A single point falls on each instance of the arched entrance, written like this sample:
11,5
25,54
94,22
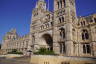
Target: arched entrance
48,40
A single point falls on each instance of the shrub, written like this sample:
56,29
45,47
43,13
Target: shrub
14,51
44,51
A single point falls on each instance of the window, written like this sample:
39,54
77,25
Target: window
86,48
64,3
61,3
62,47
51,23
65,63
91,20
95,20
42,27
33,39
47,25
81,23
62,33
73,32
48,16
71,2
36,13
60,19
58,4
84,23
85,35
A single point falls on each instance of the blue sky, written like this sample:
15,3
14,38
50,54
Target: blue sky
17,14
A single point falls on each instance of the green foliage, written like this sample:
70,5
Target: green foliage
44,51
14,51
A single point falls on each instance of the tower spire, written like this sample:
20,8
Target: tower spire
41,4
41,0
48,5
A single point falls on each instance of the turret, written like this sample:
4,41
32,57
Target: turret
11,35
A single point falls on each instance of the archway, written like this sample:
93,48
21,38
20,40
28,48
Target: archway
48,40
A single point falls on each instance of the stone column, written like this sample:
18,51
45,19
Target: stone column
55,41
69,41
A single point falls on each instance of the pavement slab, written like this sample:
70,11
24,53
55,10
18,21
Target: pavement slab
23,60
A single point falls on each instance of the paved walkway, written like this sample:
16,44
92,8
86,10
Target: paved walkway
23,60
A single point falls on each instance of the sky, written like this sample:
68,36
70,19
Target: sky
17,14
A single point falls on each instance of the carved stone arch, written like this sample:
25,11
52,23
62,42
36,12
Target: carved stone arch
47,41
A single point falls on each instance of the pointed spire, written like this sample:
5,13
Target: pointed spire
43,4
13,30
41,0
48,5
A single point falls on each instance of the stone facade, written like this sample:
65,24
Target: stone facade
62,31
13,41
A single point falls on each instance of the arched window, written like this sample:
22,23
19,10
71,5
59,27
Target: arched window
51,23
73,32
62,47
91,20
84,23
64,3
81,23
95,20
85,35
62,33
58,4
60,20
33,39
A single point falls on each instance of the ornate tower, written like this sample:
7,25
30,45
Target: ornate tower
39,10
11,35
64,25
38,14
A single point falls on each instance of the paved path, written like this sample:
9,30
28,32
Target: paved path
23,60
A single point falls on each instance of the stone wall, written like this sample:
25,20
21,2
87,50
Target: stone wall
1,52
48,59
